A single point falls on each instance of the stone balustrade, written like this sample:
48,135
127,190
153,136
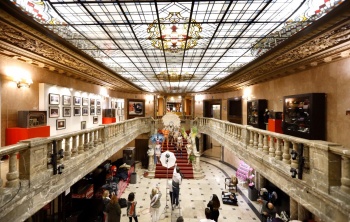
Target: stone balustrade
324,187
30,181
325,176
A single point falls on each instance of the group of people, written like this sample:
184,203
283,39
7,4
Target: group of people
112,208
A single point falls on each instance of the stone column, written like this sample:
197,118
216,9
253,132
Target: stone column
197,166
345,175
164,105
255,140
293,208
260,180
12,176
251,139
200,144
303,213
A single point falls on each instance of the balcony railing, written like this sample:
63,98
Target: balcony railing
323,167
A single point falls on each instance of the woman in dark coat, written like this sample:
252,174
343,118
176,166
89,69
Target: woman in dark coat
113,210
214,205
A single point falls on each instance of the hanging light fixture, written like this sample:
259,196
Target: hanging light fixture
170,34
173,76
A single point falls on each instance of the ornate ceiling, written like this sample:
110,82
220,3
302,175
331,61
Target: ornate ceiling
223,45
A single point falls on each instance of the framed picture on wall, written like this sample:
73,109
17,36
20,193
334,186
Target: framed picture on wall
66,111
85,111
66,100
77,101
54,111
83,125
98,102
92,110
95,120
92,102
60,124
98,111
77,111
85,101
54,99
135,108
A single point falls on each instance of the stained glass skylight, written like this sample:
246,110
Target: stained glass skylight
233,34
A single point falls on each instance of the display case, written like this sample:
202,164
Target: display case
255,113
108,113
304,116
31,118
129,155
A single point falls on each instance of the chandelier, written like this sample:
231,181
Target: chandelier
170,34
173,76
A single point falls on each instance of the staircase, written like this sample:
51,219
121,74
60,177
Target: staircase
185,168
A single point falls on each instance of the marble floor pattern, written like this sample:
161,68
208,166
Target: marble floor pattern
194,196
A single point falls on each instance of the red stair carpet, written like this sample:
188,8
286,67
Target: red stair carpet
185,168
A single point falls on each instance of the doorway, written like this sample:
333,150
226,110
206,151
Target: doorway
234,112
212,108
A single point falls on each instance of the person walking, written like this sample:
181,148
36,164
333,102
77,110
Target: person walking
155,204
131,207
113,210
214,205
176,182
170,187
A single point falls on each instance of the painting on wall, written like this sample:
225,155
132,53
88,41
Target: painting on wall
60,124
54,112
66,111
66,100
135,108
54,99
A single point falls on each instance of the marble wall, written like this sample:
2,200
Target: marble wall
332,78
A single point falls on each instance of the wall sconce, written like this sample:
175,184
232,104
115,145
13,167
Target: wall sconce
23,82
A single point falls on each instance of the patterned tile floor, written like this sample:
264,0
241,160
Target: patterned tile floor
194,196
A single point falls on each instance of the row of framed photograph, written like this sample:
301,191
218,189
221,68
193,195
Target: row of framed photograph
61,123
54,99
54,111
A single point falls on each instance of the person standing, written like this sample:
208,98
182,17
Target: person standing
155,204
170,187
207,216
113,210
106,200
214,205
131,207
176,182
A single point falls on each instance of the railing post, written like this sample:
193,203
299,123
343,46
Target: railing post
12,176
251,139
81,144
272,147
95,138
101,136
67,152
86,142
278,149
255,141
294,163
260,142
286,155
74,146
91,140
265,146
345,175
